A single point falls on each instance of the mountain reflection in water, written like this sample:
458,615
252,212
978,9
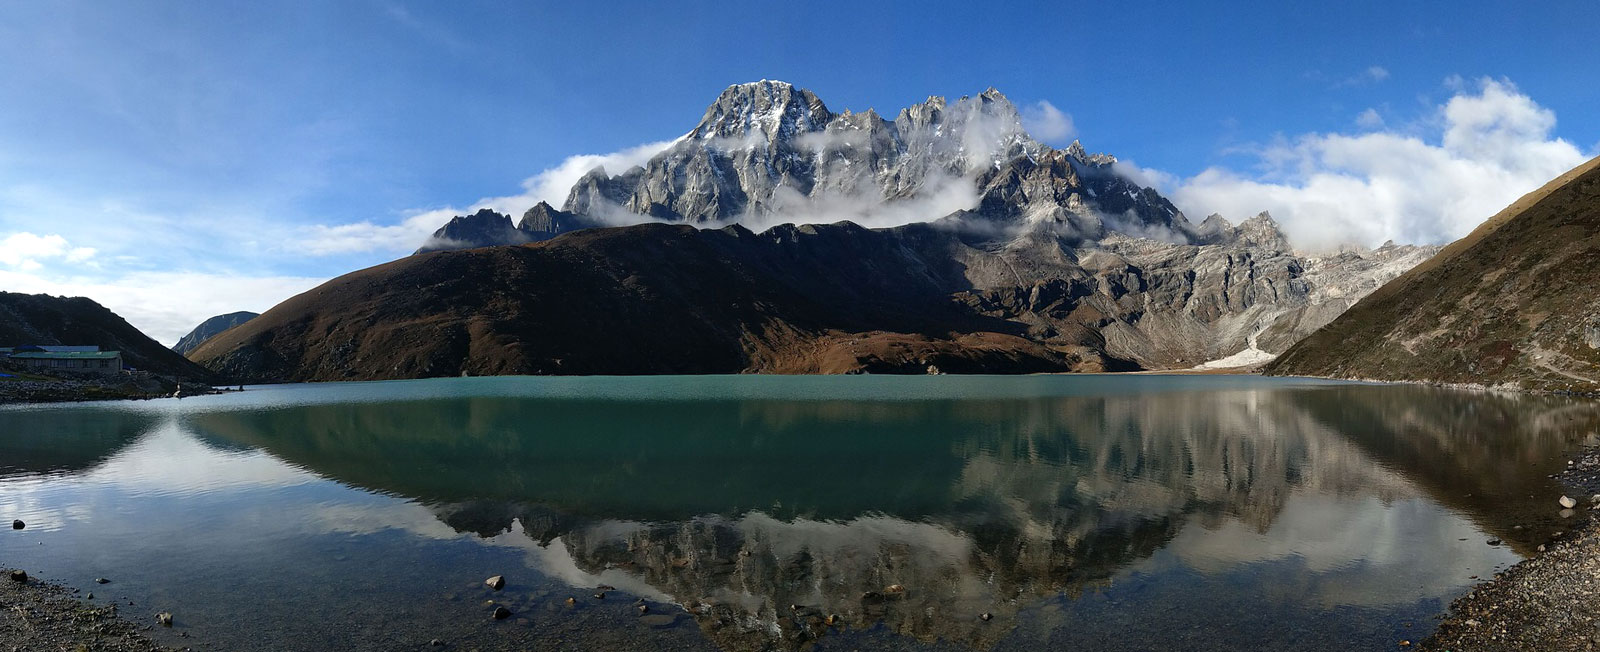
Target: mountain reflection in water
765,516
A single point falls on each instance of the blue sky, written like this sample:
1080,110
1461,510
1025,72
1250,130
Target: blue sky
231,154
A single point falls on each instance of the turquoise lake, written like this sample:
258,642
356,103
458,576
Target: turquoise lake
1107,512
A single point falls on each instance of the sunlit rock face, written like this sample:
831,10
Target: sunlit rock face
768,152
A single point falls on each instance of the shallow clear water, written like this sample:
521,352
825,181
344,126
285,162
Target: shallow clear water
1079,512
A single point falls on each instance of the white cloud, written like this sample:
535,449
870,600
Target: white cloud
1489,146
549,186
1369,119
1047,123
27,251
165,305
1146,177
1372,75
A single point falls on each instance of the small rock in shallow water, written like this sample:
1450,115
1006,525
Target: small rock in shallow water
572,601
101,580
644,608
164,619
436,643
985,616
1568,502
17,525
19,576
501,613
1493,542
497,582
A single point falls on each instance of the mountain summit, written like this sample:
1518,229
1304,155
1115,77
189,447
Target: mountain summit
769,152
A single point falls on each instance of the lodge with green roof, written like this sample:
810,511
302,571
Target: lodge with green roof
80,359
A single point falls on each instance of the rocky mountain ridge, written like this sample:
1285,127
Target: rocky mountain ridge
840,298
768,152
209,328
1014,256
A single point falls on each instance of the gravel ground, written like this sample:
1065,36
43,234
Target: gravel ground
1550,603
109,389
35,615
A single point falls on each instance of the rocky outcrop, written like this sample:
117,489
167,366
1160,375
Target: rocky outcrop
484,228
209,328
1510,304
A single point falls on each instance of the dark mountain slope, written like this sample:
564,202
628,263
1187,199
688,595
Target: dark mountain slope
645,299
41,319
1513,303
209,329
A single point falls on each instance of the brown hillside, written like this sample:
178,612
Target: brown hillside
647,299
1514,303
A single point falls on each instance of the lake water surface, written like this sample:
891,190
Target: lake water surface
1076,512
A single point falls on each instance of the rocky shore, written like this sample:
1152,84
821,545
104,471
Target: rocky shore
58,390
36,615
1550,602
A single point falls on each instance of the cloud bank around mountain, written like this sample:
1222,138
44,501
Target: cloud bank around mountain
1428,179
550,185
1431,181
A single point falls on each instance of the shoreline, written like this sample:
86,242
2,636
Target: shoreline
40,615
1545,602
70,390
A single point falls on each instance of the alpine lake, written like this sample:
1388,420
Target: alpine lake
1103,512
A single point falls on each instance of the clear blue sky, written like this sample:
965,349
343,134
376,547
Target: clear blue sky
235,123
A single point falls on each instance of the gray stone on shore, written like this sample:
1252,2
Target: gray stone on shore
19,576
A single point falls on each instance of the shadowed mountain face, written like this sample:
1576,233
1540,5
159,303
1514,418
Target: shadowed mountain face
738,509
41,319
210,328
1513,303
654,298
487,228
